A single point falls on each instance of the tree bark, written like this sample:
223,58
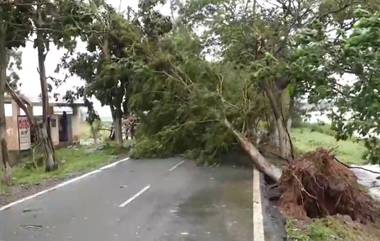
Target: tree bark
284,139
118,127
29,114
3,79
21,103
116,112
94,133
281,132
95,137
50,162
261,163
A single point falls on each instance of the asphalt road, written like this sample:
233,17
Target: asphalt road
147,200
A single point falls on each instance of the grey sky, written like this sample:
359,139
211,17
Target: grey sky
29,77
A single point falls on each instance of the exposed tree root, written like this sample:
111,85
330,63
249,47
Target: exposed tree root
316,186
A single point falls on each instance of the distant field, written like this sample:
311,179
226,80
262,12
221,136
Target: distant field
106,119
350,152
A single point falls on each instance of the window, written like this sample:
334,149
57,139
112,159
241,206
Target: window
8,110
37,110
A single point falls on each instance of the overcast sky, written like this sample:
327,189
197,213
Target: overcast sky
29,77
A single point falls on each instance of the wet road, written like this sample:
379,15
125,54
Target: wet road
148,200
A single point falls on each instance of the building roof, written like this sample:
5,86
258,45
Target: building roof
52,101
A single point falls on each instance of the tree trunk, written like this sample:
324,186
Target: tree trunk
279,103
94,134
274,134
50,163
261,163
284,139
31,119
3,79
118,128
21,104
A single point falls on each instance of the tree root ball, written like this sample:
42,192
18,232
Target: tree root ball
316,185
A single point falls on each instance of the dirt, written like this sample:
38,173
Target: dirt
316,186
18,192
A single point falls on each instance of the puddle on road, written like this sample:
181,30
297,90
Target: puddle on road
221,211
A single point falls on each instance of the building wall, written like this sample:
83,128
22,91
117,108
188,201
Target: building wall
77,125
54,129
12,134
12,129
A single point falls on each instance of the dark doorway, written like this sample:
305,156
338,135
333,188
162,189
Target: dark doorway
63,128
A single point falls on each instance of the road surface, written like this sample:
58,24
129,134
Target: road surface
147,200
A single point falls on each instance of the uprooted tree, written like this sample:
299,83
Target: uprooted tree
316,185
246,92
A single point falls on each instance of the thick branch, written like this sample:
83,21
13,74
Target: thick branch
20,103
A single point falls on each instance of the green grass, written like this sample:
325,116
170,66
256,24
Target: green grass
74,161
350,152
3,189
330,228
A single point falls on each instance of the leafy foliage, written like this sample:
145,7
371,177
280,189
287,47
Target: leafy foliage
341,71
170,100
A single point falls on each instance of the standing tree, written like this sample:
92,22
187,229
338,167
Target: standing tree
114,48
341,69
41,43
51,22
55,22
14,31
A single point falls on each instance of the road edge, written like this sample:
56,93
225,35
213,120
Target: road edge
62,184
258,222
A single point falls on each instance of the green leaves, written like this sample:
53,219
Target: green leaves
15,25
343,71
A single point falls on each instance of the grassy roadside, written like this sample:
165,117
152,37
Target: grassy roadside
73,161
307,139
337,228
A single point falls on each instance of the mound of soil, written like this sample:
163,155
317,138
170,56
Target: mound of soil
316,186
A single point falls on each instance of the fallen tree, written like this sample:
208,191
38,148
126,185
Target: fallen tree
260,162
186,104
315,185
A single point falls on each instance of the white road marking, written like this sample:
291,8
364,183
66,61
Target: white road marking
114,164
134,196
176,165
258,225
61,185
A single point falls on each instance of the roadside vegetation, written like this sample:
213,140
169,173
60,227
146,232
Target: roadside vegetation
310,137
73,161
336,228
